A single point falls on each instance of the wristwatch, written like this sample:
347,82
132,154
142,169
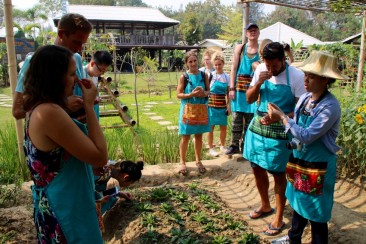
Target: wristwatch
232,89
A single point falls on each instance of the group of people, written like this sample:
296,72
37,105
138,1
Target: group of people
285,118
67,155
284,121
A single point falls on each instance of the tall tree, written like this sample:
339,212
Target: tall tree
31,19
231,31
52,7
191,28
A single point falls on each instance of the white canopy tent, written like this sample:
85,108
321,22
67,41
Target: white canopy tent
279,32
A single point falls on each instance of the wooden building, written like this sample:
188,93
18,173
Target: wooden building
143,27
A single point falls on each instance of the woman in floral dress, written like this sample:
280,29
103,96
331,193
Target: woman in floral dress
60,151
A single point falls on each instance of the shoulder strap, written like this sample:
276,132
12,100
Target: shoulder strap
240,56
203,74
186,79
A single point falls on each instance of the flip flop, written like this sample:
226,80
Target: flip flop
276,231
261,214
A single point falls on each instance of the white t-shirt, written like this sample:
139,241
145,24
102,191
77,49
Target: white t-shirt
296,79
224,78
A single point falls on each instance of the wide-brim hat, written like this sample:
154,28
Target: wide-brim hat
322,64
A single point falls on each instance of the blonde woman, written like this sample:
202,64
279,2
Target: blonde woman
218,104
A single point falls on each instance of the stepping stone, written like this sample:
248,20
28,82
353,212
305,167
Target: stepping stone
152,103
134,104
149,113
145,109
6,99
168,102
164,122
172,127
6,105
3,95
148,106
156,117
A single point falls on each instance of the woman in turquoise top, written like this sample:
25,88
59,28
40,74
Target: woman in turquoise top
57,149
311,170
193,114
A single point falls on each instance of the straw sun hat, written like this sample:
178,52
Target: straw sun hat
322,64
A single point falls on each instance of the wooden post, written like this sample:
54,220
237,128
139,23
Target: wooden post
12,67
362,54
246,8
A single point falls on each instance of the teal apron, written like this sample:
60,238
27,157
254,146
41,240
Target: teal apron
265,145
186,129
218,115
239,103
71,197
309,204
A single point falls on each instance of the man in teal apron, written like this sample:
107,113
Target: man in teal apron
72,32
265,143
240,78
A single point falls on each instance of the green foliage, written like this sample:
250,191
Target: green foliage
11,169
159,194
178,234
148,220
166,207
352,131
249,238
191,28
200,217
230,29
151,236
175,217
220,239
144,207
211,227
235,225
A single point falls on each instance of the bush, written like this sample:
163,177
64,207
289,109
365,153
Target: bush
352,132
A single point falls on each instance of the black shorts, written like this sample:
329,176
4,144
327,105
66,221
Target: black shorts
254,165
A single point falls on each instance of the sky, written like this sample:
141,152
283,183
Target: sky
174,4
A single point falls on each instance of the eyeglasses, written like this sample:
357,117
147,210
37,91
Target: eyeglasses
99,69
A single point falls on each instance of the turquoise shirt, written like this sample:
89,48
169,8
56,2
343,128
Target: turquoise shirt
239,103
21,76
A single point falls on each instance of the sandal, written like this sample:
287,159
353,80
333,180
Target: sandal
183,170
272,231
201,168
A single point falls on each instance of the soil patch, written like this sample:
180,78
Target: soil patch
229,183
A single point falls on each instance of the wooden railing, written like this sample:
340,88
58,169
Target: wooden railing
142,40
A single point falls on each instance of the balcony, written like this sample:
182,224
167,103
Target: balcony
140,40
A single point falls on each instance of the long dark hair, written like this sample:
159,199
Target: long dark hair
45,78
132,169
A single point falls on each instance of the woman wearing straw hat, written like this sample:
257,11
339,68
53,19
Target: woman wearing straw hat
311,170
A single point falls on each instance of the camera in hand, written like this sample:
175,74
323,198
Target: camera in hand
111,192
294,144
